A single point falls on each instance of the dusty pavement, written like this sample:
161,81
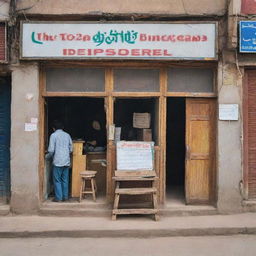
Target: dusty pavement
41,226
239,245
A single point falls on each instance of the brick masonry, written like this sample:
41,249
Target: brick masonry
2,43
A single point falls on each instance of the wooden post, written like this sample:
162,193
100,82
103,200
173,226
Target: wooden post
109,108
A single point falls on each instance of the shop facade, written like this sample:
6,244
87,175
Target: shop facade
181,88
116,92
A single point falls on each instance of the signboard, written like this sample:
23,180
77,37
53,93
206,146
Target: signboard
247,36
135,155
118,41
3,55
228,112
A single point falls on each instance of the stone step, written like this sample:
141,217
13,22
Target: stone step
4,209
189,210
77,212
127,226
100,209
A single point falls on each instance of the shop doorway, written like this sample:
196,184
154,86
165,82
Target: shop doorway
175,150
190,151
123,117
84,119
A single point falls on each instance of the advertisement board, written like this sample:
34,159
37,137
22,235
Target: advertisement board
118,41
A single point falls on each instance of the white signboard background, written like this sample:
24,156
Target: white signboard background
134,155
178,49
228,112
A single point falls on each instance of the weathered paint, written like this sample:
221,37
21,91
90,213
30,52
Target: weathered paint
4,10
174,7
229,147
24,145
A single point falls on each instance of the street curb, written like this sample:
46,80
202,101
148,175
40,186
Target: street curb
136,233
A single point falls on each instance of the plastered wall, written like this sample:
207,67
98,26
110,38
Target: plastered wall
24,144
229,146
4,10
170,7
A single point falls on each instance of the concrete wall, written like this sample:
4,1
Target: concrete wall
229,147
234,10
24,145
83,7
4,10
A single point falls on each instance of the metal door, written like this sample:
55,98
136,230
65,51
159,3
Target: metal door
5,99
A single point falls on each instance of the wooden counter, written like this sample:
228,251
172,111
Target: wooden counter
95,161
78,165
92,161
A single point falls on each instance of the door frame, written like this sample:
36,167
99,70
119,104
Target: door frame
213,175
109,94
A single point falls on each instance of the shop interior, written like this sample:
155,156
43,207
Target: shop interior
77,115
175,150
124,110
84,119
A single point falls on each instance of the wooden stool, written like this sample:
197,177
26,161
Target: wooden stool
88,176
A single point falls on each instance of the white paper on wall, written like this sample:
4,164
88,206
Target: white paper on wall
228,112
30,127
135,155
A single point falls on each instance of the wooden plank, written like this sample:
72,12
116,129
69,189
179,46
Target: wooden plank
42,148
74,94
135,178
78,165
136,94
109,108
135,191
132,63
93,189
155,206
78,147
135,211
162,153
192,94
142,173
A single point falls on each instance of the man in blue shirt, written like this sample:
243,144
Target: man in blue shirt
60,147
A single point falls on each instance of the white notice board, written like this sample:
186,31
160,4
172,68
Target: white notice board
135,155
228,112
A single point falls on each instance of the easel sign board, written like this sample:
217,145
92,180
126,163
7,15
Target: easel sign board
135,155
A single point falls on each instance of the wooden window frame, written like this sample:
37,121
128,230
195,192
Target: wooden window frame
109,67
109,95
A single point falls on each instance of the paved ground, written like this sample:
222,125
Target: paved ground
240,245
144,226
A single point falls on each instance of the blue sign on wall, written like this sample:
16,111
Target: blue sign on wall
247,36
